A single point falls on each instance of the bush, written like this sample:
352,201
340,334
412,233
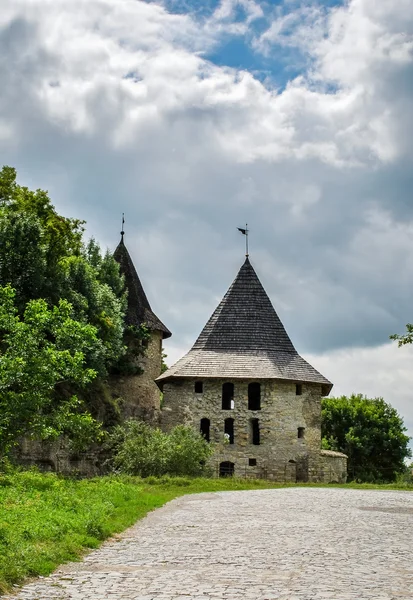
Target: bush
138,449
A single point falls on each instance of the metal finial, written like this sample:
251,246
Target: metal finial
245,232
123,222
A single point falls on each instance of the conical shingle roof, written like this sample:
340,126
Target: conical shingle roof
138,309
244,338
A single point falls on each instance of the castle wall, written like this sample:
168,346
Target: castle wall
281,454
140,396
57,456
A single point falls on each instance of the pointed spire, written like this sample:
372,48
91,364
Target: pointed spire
245,339
122,233
138,309
245,319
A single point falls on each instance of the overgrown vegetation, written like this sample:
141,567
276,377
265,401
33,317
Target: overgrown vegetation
370,432
138,449
62,305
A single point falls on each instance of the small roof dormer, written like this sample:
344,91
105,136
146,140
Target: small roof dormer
138,310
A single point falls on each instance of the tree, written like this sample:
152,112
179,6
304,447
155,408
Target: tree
370,432
39,351
42,256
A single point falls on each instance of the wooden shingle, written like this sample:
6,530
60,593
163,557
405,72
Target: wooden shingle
245,339
138,310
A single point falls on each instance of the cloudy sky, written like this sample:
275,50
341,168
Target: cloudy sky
197,116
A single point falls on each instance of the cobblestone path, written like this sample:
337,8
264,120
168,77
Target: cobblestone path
288,544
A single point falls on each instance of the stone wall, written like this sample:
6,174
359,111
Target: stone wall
329,467
140,396
57,457
281,454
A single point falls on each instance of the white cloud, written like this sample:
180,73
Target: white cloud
384,371
111,106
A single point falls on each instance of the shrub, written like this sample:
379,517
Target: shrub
138,449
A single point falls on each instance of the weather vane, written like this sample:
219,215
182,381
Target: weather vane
245,232
123,223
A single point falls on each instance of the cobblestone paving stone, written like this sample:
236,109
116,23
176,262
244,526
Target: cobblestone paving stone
287,544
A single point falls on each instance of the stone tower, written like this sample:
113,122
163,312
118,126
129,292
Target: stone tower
244,386
140,394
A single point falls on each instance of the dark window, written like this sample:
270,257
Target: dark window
229,429
204,428
252,462
199,387
227,396
226,469
298,389
255,432
254,396
300,432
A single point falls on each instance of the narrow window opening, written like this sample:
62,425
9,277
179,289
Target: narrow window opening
226,469
204,428
199,387
301,432
229,430
298,389
252,462
255,432
227,396
254,396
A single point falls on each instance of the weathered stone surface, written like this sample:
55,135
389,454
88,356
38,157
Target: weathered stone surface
281,454
288,544
140,396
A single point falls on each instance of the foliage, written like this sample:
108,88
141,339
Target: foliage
95,303
42,256
44,348
136,342
407,338
164,366
370,432
139,449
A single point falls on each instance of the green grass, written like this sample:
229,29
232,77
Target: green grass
46,520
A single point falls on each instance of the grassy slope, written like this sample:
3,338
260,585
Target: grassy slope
46,520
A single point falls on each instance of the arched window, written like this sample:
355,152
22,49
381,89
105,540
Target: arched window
229,429
254,396
255,432
204,428
227,396
226,469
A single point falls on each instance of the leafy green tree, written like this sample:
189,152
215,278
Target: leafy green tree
370,432
42,256
56,238
39,351
23,259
